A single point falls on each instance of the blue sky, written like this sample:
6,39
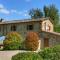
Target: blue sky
18,9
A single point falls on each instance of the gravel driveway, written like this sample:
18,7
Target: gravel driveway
6,55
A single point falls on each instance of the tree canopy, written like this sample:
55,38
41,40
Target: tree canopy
52,12
48,11
35,13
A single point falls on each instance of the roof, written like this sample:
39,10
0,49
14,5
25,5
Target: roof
53,33
22,21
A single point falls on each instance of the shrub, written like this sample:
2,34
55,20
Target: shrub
22,47
12,41
56,50
27,56
51,53
46,54
31,42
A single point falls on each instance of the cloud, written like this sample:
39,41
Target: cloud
3,9
13,11
21,13
1,6
24,13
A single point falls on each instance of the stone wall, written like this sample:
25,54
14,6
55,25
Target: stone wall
20,27
53,38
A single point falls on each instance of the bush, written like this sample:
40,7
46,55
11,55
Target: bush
46,54
51,53
56,50
22,47
27,56
31,42
12,41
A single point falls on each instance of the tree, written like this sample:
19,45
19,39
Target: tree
12,41
31,42
35,13
52,12
46,11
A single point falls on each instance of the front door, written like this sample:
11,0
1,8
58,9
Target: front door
46,42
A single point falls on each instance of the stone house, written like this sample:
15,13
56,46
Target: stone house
24,26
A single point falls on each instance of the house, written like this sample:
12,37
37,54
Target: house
43,26
24,26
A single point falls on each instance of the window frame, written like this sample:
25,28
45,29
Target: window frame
13,28
30,27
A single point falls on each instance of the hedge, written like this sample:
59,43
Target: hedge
27,56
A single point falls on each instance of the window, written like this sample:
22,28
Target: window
29,27
13,28
48,28
45,26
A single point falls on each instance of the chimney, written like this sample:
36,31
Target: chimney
1,20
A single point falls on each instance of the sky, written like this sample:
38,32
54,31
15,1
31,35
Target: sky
18,9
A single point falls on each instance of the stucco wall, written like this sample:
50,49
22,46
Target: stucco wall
46,25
